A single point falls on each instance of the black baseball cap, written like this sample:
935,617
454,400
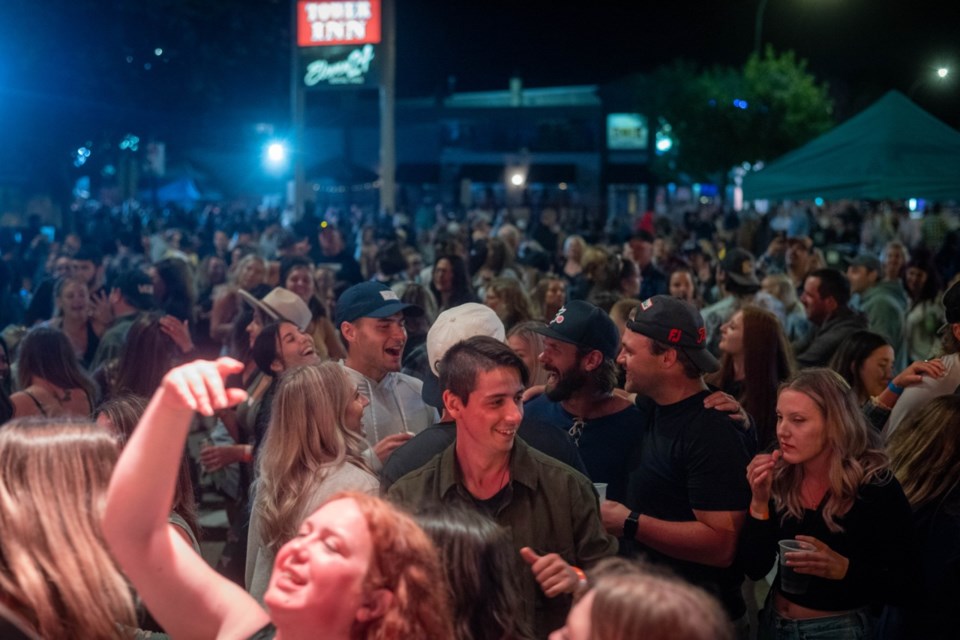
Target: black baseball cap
675,323
136,287
585,325
371,300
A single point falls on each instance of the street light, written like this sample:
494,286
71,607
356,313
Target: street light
941,77
276,156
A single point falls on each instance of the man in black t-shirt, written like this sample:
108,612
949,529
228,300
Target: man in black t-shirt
687,497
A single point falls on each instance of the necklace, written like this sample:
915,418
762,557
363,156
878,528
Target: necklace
576,430
503,476
52,390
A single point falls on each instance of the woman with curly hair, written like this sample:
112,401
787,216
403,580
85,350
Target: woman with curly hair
312,450
357,568
57,575
829,487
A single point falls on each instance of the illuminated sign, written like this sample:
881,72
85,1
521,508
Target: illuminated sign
322,24
342,67
626,131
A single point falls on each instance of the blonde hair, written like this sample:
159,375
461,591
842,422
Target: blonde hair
527,331
305,441
856,458
55,570
924,451
634,601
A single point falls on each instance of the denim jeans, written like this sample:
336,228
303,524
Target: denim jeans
857,625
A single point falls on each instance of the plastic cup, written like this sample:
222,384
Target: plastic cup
601,488
790,580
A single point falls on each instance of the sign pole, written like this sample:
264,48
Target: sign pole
388,151
297,105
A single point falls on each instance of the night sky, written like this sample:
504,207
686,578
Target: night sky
72,69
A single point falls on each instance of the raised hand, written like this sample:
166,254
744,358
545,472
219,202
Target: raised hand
198,386
760,477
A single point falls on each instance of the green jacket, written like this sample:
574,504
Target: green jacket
546,506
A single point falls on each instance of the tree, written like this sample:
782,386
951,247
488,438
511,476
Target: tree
722,117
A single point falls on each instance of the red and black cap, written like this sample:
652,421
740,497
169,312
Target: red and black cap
677,324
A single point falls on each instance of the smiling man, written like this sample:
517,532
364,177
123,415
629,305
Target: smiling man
549,509
371,320
579,352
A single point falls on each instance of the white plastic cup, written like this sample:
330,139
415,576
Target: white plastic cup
601,488
790,580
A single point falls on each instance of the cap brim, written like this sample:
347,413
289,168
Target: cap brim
547,331
744,281
431,393
704,360
247,297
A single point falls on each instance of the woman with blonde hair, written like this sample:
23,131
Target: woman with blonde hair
527,343
358,569
73,317
312,450
925,457
627,600
828,487
249,273
57,574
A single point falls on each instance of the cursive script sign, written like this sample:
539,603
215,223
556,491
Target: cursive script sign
351,70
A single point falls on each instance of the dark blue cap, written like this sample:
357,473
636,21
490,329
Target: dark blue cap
371,300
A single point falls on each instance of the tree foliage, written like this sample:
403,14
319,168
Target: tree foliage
722,116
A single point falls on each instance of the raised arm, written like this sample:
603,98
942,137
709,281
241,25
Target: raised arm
187,597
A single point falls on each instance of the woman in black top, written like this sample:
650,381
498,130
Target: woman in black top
828,485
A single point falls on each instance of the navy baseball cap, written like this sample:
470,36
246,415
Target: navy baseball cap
371,300
585,325
675,323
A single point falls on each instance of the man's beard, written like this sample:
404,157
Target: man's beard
567,384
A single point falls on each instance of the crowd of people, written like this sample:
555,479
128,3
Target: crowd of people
481,426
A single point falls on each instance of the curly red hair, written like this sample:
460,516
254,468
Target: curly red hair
405,563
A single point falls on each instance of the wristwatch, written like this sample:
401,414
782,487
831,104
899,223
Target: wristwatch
630,526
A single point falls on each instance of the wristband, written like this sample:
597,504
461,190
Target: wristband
896,390
581,576
247,455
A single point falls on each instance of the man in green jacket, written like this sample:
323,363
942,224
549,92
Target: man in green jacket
549,509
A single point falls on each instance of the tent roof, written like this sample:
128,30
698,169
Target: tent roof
891,150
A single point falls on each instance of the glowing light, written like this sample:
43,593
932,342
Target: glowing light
324,225
562,186
517,179
158,52
943,72
276,152
740,104
664,144
818,202
912,204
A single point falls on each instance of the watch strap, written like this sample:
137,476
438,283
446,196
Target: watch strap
630,525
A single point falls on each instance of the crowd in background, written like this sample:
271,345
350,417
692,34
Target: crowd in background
347,334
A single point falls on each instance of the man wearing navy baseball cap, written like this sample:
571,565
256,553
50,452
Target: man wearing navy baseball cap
688,494
580,348
370,318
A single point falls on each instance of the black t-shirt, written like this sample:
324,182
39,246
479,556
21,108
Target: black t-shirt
692,458
608,445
